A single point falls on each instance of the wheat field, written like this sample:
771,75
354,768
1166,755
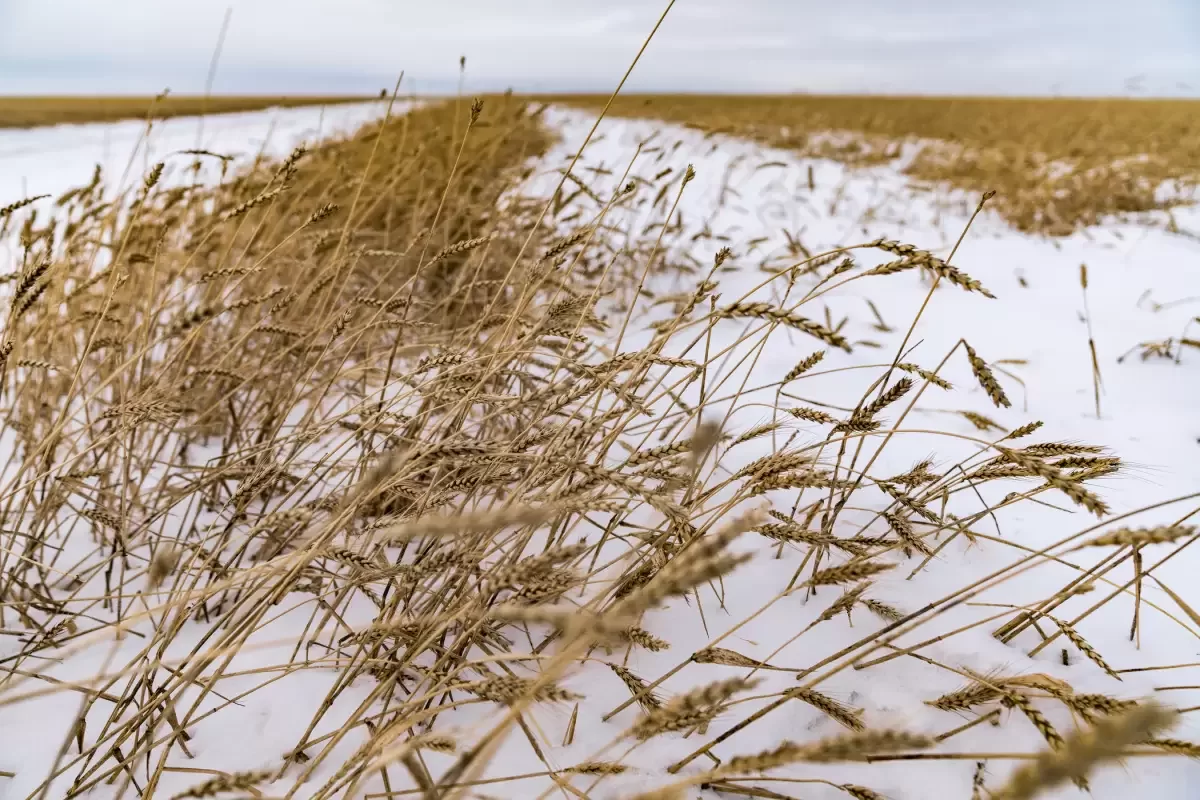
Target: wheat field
1056,163
718,448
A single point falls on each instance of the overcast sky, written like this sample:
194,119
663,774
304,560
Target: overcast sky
884,46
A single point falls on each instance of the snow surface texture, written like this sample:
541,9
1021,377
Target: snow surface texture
752,195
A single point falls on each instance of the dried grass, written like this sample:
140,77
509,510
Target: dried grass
368,381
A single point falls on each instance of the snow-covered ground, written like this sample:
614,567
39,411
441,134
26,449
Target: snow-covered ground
752,199
50,160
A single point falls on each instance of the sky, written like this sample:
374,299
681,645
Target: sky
1038,47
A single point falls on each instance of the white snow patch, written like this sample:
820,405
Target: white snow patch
51,159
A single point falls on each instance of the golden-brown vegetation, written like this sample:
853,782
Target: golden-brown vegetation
27,112
1056,164
371,383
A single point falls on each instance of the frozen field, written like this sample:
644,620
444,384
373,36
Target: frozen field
777,214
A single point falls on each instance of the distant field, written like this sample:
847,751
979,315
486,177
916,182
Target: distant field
27,112
1055,163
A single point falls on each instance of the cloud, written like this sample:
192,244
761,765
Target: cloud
939,46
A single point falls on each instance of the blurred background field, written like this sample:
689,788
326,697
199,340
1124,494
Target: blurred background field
27,112
1055,163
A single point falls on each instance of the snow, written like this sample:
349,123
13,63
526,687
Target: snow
1148,418
50,160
